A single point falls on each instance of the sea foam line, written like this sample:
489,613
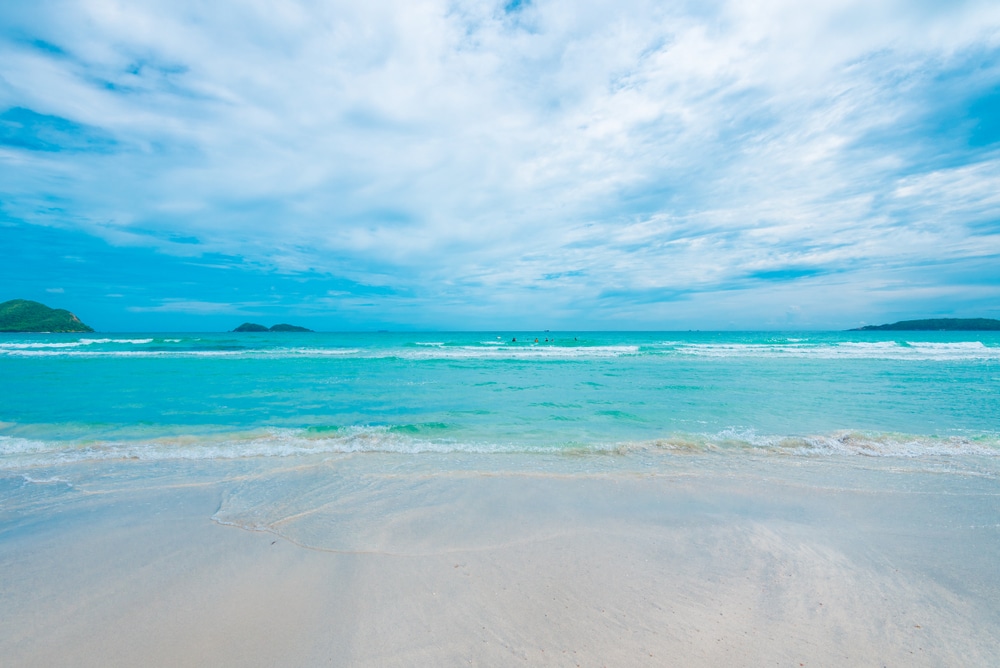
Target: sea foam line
70,344
426,353
921,351
491,350
19,453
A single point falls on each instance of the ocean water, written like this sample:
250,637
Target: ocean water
326,439
932,398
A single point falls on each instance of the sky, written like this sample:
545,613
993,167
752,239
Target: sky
547,164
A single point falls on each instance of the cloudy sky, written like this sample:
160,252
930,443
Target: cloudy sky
481,164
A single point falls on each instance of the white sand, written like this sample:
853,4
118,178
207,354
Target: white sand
475,569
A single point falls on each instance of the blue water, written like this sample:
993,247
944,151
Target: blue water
125,397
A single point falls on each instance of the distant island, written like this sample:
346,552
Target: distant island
288,328
936,325
22,315
254,327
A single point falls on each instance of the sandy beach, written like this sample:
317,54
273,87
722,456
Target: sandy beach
611,567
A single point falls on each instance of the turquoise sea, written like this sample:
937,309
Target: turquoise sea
289,426
929,397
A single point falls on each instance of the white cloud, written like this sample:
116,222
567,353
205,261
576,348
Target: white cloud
195,307
464,154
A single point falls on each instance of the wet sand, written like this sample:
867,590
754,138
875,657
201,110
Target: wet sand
368,566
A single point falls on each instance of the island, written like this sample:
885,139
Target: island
254,327
936,325
23,315
288,328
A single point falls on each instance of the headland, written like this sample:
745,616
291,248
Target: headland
23,315
936,325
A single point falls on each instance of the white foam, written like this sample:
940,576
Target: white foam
13,445
41,345
966,350
499,349
864,443
957,345
533,351
23,346
19,453
133,353
16,453
303,352
51,480
529,351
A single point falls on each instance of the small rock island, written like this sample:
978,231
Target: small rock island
23,315
254,327
288,328
250,327
936,325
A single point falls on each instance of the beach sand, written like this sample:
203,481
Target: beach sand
355,563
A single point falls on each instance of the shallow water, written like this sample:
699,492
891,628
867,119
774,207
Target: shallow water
337,433
172,396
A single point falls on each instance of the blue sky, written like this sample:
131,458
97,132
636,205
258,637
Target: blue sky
179,165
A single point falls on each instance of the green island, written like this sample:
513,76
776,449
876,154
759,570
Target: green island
23,315
936,325
254,327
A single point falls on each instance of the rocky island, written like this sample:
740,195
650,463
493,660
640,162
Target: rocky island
23,315
936,325
254,327
288,328
250,327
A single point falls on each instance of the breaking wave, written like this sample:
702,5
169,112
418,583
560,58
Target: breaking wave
475,348
19,453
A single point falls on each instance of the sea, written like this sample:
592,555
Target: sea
81,413
922,396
